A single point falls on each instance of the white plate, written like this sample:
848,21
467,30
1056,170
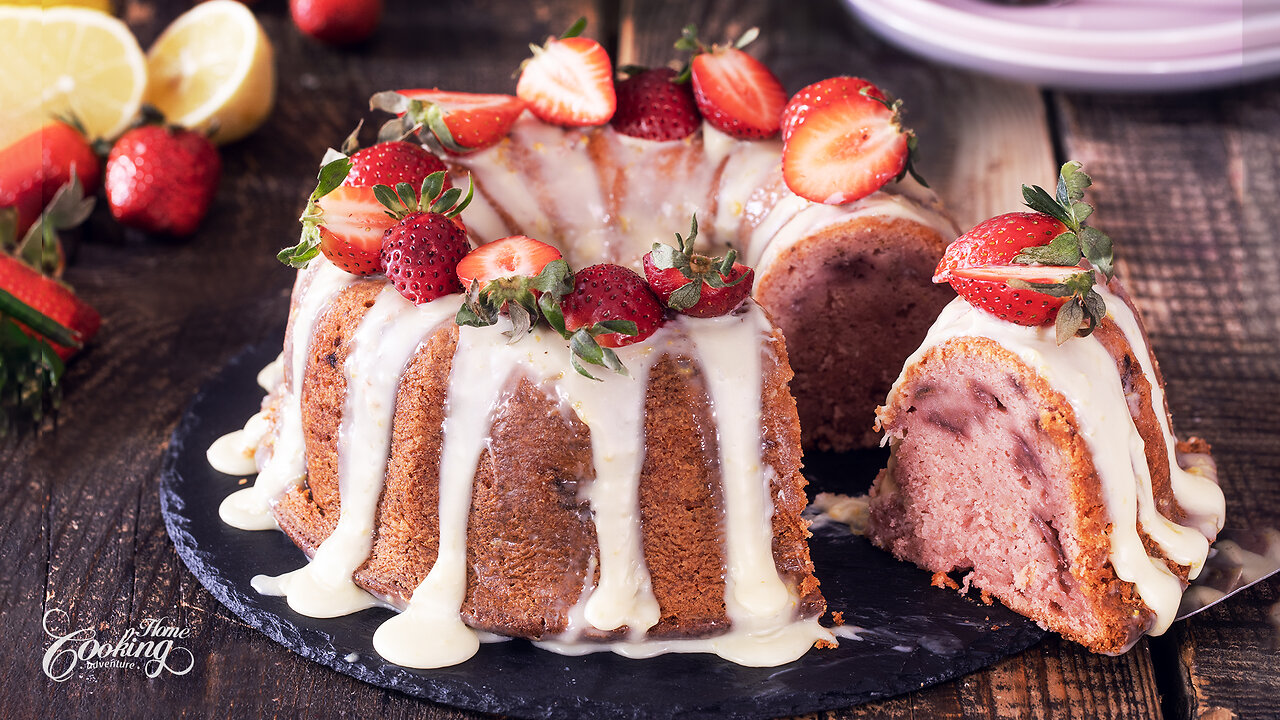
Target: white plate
943,37
1128,29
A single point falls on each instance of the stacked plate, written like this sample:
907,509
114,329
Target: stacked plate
1145,45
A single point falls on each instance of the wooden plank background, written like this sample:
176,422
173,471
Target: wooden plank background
1186,184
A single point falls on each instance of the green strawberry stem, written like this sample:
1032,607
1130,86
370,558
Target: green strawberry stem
698,268
38,322
30,370
1081,241
308,247
1085,310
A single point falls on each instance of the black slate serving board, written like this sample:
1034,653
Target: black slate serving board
916,635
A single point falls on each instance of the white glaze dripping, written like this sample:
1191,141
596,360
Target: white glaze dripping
430,632
250,508
1085,374
380,349
1196,492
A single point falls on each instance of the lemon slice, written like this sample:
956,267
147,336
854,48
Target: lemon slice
67,61
213,68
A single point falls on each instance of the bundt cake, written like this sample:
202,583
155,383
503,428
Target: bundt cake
660,510
432,437
1042,465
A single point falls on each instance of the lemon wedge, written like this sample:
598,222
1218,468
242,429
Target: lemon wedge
100,5
67,61
213,68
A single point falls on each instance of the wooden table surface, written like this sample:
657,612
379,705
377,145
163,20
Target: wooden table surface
1188,185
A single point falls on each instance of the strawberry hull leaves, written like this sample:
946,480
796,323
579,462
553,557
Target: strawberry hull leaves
527,300
695,284
1068,206
583,346
330,177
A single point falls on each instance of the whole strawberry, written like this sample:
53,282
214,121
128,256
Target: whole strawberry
605,292
337,22
1029,268
388,163
421,252
694,284
652,106
37,165
162,179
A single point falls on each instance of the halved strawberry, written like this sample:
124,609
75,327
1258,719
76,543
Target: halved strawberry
465,122
569,81
515,256
991,267
823,92
735,92
351,229
653,106
846,149
388,163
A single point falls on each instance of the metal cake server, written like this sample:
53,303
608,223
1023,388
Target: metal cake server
1237,560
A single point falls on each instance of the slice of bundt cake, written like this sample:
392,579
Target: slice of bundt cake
1041,464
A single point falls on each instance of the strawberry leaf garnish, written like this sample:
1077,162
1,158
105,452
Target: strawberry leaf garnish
331,175
1068,206
527,300
583,346
402,200
698,268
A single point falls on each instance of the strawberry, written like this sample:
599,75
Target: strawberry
388,163
510,257
845,147
162,179
653,106
823,92
421,251
694,284
351,228
49,298
462,122
603,293
336,22
735,92
1029,268
33,168
569,81
516,276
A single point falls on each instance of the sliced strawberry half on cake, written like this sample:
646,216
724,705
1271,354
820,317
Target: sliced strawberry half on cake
842,144
569,81
735,92
463,122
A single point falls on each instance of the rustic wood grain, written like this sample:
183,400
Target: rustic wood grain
1187,185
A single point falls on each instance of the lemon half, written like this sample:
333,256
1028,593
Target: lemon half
213,68
67,61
